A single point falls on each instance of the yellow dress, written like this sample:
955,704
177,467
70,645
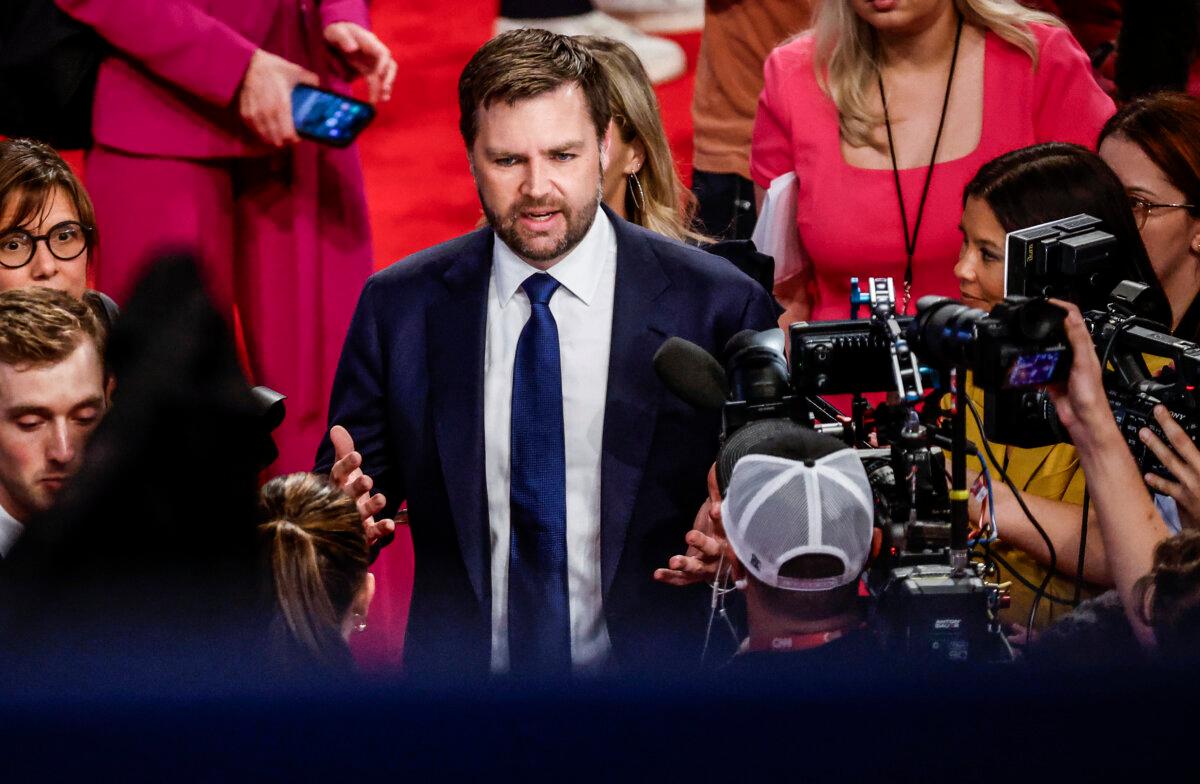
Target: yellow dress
1049,472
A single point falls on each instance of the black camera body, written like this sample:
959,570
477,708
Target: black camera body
1121,336
1072,259
929,613
838,357
1020,344
1135,410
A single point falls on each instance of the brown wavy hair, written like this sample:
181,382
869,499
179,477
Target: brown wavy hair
524,64
30,173
318,555
1168,598
40,326
1166,126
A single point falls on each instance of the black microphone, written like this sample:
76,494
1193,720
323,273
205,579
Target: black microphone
694,375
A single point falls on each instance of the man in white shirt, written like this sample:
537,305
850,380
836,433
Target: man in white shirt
502,385
52,395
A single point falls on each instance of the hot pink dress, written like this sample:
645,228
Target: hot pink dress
282,236
848,218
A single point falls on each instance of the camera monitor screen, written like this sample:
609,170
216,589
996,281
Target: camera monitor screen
1032,370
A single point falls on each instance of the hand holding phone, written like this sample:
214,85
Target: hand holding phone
328,117
265,96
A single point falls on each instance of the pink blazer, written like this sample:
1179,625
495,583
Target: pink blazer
168,89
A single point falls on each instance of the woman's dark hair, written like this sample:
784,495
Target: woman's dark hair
1168,598
1047,182
314,542
30,173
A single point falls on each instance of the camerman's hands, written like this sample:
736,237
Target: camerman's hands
1182,459
364,53
1080,402
265,97
347,473
705,543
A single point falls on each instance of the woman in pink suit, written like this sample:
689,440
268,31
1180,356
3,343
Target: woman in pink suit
195,147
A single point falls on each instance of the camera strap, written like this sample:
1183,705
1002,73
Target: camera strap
910,240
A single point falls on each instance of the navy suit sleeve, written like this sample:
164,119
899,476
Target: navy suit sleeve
759,312
358,401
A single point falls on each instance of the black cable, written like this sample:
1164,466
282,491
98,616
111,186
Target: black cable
1083,526
1041,590
1050,597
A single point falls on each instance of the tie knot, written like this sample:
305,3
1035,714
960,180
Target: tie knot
539,287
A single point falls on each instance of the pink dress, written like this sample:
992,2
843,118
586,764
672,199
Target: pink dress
848,218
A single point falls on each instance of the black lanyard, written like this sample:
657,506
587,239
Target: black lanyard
910,241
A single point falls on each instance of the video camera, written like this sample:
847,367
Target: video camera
1073,259
931,602
1123,340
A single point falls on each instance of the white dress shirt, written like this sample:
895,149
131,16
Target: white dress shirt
10,531
583,308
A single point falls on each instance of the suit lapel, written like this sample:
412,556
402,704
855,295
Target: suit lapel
639,327
456,334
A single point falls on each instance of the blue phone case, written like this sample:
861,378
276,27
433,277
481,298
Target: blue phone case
328,117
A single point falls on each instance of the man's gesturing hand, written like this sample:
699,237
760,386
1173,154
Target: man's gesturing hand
363,52
265,98
705,543
347,473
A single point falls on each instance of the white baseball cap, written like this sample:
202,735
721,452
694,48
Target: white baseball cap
794,492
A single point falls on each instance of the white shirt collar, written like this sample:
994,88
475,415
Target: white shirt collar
578,271
10,531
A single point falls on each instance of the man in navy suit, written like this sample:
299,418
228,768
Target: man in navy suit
502,384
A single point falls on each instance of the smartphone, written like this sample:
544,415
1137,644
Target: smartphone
329,118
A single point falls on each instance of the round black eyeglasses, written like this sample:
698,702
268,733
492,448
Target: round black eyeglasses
66,241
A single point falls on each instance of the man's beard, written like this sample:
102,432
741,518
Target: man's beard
577,226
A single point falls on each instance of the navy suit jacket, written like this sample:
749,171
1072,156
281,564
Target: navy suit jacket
409,388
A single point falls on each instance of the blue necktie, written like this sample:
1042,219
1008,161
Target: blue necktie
539,621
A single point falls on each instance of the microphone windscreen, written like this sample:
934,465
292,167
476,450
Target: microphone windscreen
773,339
738,342
690,372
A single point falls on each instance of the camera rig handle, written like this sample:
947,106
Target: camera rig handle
881,297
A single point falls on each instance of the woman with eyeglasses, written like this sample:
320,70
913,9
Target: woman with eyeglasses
47,224
1153,144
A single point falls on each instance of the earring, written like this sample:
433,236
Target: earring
360,623
636,193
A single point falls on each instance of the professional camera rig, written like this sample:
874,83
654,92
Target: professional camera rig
933,601
1129,324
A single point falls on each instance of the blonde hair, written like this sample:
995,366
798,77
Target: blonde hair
846,55
666,206
318,557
